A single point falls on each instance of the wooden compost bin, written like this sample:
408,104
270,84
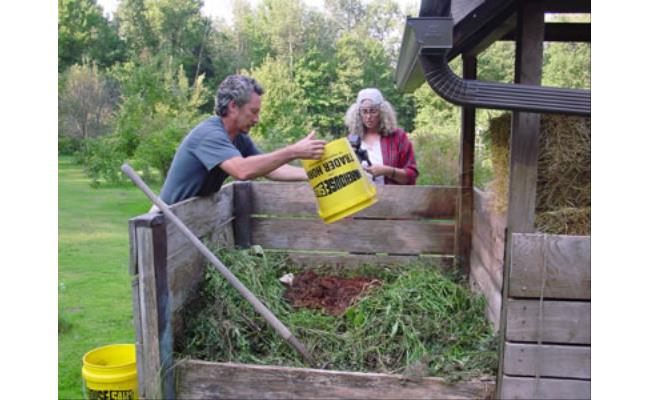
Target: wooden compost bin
545,351
408,222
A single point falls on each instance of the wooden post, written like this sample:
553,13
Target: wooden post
152,316
243,205
524,149
464,200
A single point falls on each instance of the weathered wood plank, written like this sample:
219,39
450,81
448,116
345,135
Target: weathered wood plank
355,260
491,257
465,199
243,202
165,338
562,321
524,149
394,201
481,280
460,8
149,316
568,266
545,389
184,277
201,215
366,236
133,248
552,361
199,379
137,326
488,236
490,218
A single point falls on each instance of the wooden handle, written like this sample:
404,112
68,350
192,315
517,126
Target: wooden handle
223,270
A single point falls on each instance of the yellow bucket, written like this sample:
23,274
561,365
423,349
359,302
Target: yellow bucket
341,186
109,372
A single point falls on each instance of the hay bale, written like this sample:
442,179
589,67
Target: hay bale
499,131
565,221
563,201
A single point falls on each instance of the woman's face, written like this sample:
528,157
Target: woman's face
369,115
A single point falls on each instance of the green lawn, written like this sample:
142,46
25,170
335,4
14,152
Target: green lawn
93,283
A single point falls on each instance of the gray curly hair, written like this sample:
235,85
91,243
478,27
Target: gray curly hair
238,88
387,122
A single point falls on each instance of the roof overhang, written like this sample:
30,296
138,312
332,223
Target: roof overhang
483,23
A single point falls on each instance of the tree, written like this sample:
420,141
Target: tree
85,103
345,14
135,27
283,118
85,34
158,107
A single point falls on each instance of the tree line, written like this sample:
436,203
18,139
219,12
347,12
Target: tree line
132,86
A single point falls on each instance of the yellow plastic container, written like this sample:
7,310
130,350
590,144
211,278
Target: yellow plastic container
341,186
110,372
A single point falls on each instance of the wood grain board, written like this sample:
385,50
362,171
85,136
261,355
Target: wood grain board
200,379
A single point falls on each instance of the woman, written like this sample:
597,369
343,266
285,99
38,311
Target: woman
389,149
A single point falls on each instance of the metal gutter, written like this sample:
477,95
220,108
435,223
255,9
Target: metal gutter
425,45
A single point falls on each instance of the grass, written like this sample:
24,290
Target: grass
419,322
93,282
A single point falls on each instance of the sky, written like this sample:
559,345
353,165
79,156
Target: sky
223,8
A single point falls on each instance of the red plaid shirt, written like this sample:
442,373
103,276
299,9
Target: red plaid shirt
397,151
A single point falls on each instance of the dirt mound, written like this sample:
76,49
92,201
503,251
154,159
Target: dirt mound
330,293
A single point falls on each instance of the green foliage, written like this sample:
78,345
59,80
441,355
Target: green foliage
313,74
157,110
567,65
85,102
418,316
84,33
311,61
68,146
283,117
102,158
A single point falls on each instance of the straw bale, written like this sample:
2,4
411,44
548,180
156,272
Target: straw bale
565,221
564,172
499,130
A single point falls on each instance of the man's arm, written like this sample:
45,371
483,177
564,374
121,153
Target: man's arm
264,164
287,173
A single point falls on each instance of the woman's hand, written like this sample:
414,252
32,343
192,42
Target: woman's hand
379,170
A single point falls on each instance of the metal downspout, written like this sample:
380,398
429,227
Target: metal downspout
493,95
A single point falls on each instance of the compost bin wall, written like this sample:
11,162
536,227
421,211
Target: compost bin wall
547,348
486,257
408,222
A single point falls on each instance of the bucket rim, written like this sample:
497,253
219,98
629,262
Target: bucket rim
107,367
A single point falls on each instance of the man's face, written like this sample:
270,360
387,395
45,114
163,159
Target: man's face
247,115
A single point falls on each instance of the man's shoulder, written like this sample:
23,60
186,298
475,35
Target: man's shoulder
210,129
210,124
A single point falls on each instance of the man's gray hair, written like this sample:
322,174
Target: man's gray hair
237,88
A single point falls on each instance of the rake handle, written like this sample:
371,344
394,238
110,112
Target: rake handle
261,309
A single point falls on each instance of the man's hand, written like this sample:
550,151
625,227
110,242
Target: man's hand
309,148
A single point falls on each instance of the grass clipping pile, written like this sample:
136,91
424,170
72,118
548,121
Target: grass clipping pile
564,172
408,320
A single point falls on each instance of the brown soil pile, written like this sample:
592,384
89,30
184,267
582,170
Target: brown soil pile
330,293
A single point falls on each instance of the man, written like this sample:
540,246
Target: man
220,146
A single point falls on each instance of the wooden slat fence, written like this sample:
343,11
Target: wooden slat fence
547,352
410,222
487,254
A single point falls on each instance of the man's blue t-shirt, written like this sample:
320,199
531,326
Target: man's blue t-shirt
195,169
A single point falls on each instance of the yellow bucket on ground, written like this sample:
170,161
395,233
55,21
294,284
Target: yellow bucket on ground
341,186
109,372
